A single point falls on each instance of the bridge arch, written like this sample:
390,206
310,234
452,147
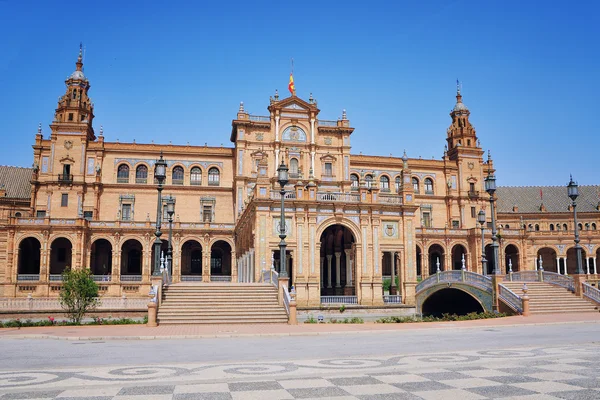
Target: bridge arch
451,300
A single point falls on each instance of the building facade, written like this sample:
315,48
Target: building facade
351,221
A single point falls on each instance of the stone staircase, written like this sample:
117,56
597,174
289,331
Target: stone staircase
546,298
221,303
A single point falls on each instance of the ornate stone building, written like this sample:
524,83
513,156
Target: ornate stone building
351,220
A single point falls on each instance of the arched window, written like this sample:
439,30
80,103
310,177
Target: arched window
551,227
537,227
196,176
354,181
384,183
580,226
506,226
593,226
369,180
141,174
177,175
214,176
123,173
587,226
428,186
565,227
557,227
18,214
415,183
293,168
398,182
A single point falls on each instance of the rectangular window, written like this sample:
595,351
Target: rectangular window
90,166
427,220
44,164
126,212
473,213
207,213
89,215
70,116
328,169
471,187
40,214
64,200
455,224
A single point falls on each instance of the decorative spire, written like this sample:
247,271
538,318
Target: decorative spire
79,62
241,106
310,99
276,95
404,156
40,128
344,117
458,87
101,131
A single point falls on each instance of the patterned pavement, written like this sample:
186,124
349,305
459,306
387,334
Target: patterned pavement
568,372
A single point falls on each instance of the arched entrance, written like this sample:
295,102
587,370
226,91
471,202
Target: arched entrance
191,261
489,256
459,253
131,258
419,262
337,265
548,259
436,258
220,259
511,252
101,257
450,301
60,255
572,261
29,257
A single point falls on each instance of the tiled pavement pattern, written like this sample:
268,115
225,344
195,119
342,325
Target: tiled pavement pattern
569,372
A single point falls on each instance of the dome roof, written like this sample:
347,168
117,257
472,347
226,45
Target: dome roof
77,75
460,106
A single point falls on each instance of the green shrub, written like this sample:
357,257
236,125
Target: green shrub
310,320
342,308
387,284
444,317
79,294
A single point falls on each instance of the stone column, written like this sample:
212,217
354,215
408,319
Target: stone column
349,267
595,270
322,271
587,262
338,254
393,268
565,265
329,271
558,265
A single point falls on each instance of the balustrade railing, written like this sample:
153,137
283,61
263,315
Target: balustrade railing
131,278
389,199
53,304
564,281
101,278
524,276
28,277
275,195
286,299
220,278
270,276
510,298
338,197
259,118
475,279
591,292
191,278
323,122
392,299
55,278
339,300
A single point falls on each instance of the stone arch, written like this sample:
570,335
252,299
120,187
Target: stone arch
337,245
171,172
221,253
549,254
61,255
29,256
191,258
482,298
344,222
385,182
511,253
436,252
132,253
101,256
572,260
459,252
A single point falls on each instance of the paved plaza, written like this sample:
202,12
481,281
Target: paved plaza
453,361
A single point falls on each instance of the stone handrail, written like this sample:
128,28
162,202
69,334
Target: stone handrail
286,299
392,299
524,276
338,197
259,118
339,300
270,276
323,122
591,292
472,278
559,280
510,298
28,277
390,199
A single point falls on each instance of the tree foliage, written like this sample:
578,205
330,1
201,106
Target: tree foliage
79,294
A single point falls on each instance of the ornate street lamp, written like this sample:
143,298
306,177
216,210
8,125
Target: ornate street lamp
573,192
170,212
283,178
490,188
481,220
160,173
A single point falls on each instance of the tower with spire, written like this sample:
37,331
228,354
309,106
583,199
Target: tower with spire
461,133
75,110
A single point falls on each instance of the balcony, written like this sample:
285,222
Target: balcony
122,179
141,180
473,194
65,178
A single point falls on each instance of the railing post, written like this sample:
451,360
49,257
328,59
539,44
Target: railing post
525,301
293,318
578,281
280,294
152,307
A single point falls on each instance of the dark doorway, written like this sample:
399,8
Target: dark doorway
450,301
29,256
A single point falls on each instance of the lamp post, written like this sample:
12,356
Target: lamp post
160,173
481,220
282,173
573,192
490,188
170,212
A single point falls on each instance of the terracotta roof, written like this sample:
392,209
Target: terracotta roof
16,181
529,199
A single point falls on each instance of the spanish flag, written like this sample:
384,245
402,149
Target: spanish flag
291,86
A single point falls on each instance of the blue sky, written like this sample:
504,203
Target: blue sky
176,71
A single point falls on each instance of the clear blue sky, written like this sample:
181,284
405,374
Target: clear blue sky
176,71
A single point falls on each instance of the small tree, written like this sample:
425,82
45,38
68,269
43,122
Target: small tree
79,294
